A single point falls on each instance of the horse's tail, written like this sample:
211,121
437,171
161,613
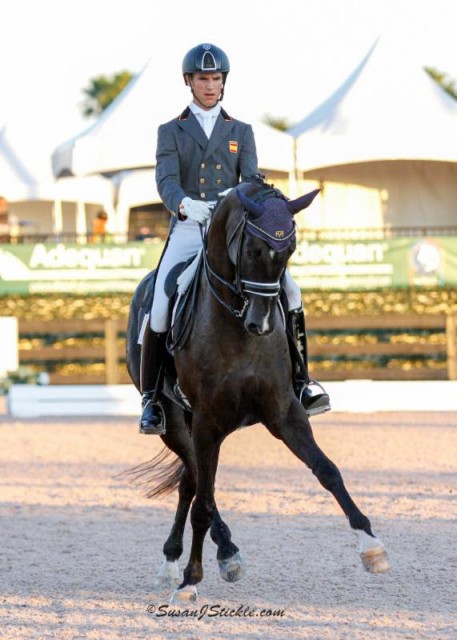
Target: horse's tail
158,476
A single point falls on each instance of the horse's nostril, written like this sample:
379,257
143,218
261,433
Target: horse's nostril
254,328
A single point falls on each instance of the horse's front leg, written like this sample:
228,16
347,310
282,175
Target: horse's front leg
295,431
202,511
231,563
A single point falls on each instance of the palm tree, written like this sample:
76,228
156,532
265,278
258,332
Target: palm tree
102,90
277,122
443,80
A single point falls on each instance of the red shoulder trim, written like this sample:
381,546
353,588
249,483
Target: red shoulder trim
225,115
184,114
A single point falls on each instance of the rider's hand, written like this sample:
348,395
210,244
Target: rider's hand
195,210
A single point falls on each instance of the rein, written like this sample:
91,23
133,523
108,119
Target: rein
242,286
209,271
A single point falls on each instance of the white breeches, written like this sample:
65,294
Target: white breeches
293,292
184,242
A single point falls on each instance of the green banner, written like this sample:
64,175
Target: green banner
351,265
376,264
75,268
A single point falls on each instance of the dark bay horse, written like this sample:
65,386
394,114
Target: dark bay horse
235,370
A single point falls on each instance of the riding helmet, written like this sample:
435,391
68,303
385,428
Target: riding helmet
205,58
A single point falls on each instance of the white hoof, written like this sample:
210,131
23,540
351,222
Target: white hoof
168,576
375,560
186,595
232,569
373,553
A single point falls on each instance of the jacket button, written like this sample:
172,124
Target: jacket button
218,167
203,195
218,181
202,166
202,180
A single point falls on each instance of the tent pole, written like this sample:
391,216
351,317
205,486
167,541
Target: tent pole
81,226
57,218
293,175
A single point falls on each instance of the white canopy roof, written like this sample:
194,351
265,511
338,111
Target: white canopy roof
25,175
387,109
124,136
20,177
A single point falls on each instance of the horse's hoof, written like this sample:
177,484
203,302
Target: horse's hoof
186,595
375,560
233,568
168,576
373,553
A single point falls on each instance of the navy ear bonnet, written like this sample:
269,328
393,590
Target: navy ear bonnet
271,215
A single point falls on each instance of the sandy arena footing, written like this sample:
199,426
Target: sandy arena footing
80,547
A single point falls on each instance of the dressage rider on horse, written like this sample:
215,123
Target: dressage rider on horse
201,154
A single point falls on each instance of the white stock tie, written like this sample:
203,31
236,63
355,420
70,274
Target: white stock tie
208,123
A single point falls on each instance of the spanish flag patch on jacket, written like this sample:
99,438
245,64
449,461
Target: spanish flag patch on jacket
233,146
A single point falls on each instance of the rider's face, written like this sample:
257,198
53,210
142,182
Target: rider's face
207,88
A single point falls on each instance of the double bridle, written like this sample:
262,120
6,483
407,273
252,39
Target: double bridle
241,287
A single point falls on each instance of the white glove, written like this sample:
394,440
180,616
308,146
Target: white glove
222,194
195,210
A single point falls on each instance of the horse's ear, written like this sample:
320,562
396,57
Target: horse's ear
253,207
303,202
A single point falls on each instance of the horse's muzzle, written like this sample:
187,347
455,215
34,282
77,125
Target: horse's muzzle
254,329
262,327
259,319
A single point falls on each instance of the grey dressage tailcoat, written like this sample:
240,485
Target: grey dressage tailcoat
188,164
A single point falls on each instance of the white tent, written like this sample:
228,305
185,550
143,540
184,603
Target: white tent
122,143
18,179
135,188
39,203
383,145
124,135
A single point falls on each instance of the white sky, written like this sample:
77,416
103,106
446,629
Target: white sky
286,55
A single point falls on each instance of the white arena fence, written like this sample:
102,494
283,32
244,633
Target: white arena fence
354,396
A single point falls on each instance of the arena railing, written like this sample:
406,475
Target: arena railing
337,234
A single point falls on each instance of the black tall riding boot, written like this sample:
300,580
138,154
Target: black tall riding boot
151,376
311,394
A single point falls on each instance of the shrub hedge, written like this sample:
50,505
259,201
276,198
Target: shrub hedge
317,303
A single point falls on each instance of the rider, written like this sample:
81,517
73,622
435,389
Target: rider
201,154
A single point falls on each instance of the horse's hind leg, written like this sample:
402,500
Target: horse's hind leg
178,440
203,509
296,433
168,576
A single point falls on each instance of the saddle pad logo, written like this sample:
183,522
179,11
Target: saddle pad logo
279,234
233,146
